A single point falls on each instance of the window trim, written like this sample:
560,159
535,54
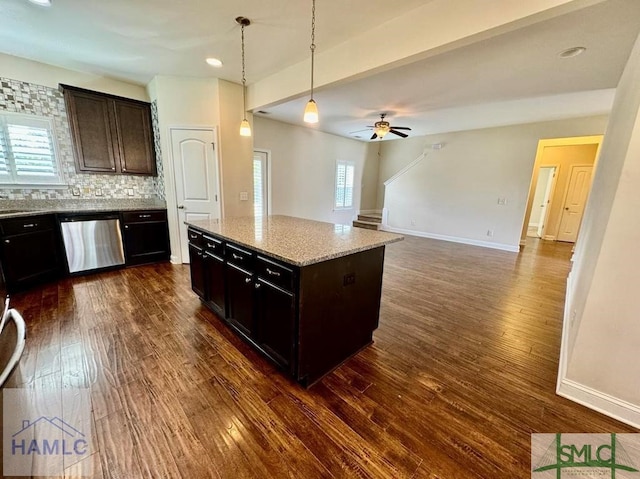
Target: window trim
347,164
13,182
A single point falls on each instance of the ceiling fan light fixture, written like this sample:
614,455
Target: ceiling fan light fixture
381,131
311,112
245,127
42,3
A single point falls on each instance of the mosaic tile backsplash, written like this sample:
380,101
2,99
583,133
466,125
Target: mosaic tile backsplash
22,97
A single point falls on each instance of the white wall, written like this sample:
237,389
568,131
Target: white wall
453,194
49,75
603,317
303,163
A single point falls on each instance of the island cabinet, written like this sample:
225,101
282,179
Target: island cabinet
307,318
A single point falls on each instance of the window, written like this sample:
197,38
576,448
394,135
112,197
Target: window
27,151
345,172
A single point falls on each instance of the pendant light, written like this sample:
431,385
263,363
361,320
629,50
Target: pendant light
245,128
311,110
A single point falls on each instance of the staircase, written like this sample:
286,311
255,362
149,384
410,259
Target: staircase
369,221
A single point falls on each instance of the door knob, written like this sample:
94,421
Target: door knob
181,207
567,208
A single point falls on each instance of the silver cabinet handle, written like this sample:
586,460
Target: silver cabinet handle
247,280
30,225
126,227
236,256
209,245
144,216
258,285
7,241
272,273
193,236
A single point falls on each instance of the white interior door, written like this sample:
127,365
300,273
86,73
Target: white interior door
546,199
195,166
261,205
575,201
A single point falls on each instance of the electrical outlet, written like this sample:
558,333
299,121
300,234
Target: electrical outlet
130,191
413,222
490,233
349,279
502,201
98,191
75,191
244,196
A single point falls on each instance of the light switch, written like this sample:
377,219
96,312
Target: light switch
244,196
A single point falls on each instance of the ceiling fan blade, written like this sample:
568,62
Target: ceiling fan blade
403,135
374,136
400,128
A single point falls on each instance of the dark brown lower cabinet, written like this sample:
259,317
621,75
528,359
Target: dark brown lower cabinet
276,309
308,319
146,237
197,270
240,292
29,251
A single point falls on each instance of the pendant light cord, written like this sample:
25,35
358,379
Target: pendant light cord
244,80
313,41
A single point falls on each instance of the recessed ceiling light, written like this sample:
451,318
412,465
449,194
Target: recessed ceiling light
214,62
42,3
572,52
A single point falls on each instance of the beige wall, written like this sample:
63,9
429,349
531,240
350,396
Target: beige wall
236,152
564,157
369,191
601,343
49,75
303,163
454,192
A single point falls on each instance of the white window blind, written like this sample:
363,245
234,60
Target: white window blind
345,172
258,207
27,151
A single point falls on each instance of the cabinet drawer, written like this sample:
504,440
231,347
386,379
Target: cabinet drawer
239,257
27,224
141,216
195,237
213,246
274,273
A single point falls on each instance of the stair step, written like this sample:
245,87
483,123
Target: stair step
370,225
370,218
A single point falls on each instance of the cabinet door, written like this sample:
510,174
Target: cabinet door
92,131
135,143
30,257
146,242
276,315
197,271
214,270
240,300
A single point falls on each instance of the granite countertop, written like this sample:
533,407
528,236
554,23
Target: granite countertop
17,208
296,241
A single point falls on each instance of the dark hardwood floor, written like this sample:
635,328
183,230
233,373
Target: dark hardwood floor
462,371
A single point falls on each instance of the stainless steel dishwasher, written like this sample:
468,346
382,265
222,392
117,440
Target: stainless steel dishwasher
91,241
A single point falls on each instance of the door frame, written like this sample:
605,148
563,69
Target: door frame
267,152
170,185
542,145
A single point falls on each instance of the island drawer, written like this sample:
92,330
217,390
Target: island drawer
141,216
274,273
213,246
239,257
27,224
195,237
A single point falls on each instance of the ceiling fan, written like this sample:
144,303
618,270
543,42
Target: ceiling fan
382,127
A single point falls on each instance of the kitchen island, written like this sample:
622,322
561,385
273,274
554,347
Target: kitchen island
304,293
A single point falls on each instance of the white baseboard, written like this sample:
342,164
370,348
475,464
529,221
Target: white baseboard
174,259
601,402
370,212
533,226
454,239
549,238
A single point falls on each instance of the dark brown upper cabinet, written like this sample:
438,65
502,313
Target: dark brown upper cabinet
110,134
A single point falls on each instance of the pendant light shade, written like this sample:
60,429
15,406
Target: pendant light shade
311,110
245,128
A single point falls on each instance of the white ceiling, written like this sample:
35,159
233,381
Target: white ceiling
512,78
